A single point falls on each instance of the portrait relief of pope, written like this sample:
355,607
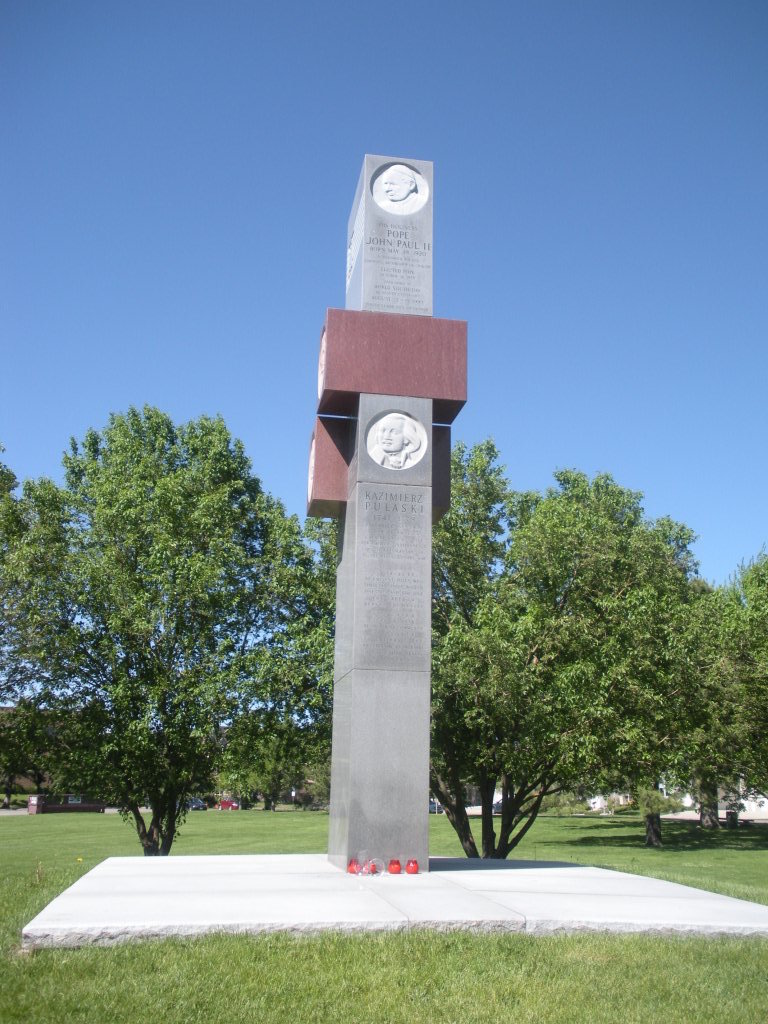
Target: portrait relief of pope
399,189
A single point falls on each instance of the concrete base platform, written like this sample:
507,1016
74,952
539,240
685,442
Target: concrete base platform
126,898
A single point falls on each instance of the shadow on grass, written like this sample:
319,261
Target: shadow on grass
683,836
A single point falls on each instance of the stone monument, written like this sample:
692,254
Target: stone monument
389,238
391,379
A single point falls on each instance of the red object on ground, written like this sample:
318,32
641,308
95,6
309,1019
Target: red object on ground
369,868
353,868
394,867
228,805
412,867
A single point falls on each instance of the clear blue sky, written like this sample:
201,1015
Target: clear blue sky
174,190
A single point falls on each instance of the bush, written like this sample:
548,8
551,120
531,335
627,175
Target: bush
562,804
653,801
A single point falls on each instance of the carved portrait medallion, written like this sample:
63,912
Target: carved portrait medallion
399,189
396,440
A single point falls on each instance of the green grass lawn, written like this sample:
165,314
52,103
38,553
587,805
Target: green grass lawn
410,978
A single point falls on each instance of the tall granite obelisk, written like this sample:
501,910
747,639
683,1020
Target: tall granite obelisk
390,379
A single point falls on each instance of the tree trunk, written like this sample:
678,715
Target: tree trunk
8,792
708,806
487,790
168,835
452,799
147,836
653,830
155,841
511,816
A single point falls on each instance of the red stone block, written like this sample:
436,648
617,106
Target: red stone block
329,454
390,354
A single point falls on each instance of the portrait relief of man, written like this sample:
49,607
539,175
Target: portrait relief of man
399,189
396,441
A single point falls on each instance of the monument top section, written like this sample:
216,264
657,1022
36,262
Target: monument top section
389,237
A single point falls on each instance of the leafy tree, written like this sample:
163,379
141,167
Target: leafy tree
24,744
9,682
13,755
24,735
718,729
266,758
725,742
557,646
138,595
8,480
747,633
652,803
285,710
468,554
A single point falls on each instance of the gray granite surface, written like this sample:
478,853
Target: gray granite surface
389,237
132,898
380,744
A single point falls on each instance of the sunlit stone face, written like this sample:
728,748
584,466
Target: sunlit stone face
391,436
398,183
396,441
399,189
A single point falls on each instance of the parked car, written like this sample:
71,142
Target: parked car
227,805
435,807
69,802
194,803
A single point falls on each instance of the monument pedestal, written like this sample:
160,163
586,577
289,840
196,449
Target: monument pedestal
379,778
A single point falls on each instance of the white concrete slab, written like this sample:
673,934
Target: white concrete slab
128,898
577,881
